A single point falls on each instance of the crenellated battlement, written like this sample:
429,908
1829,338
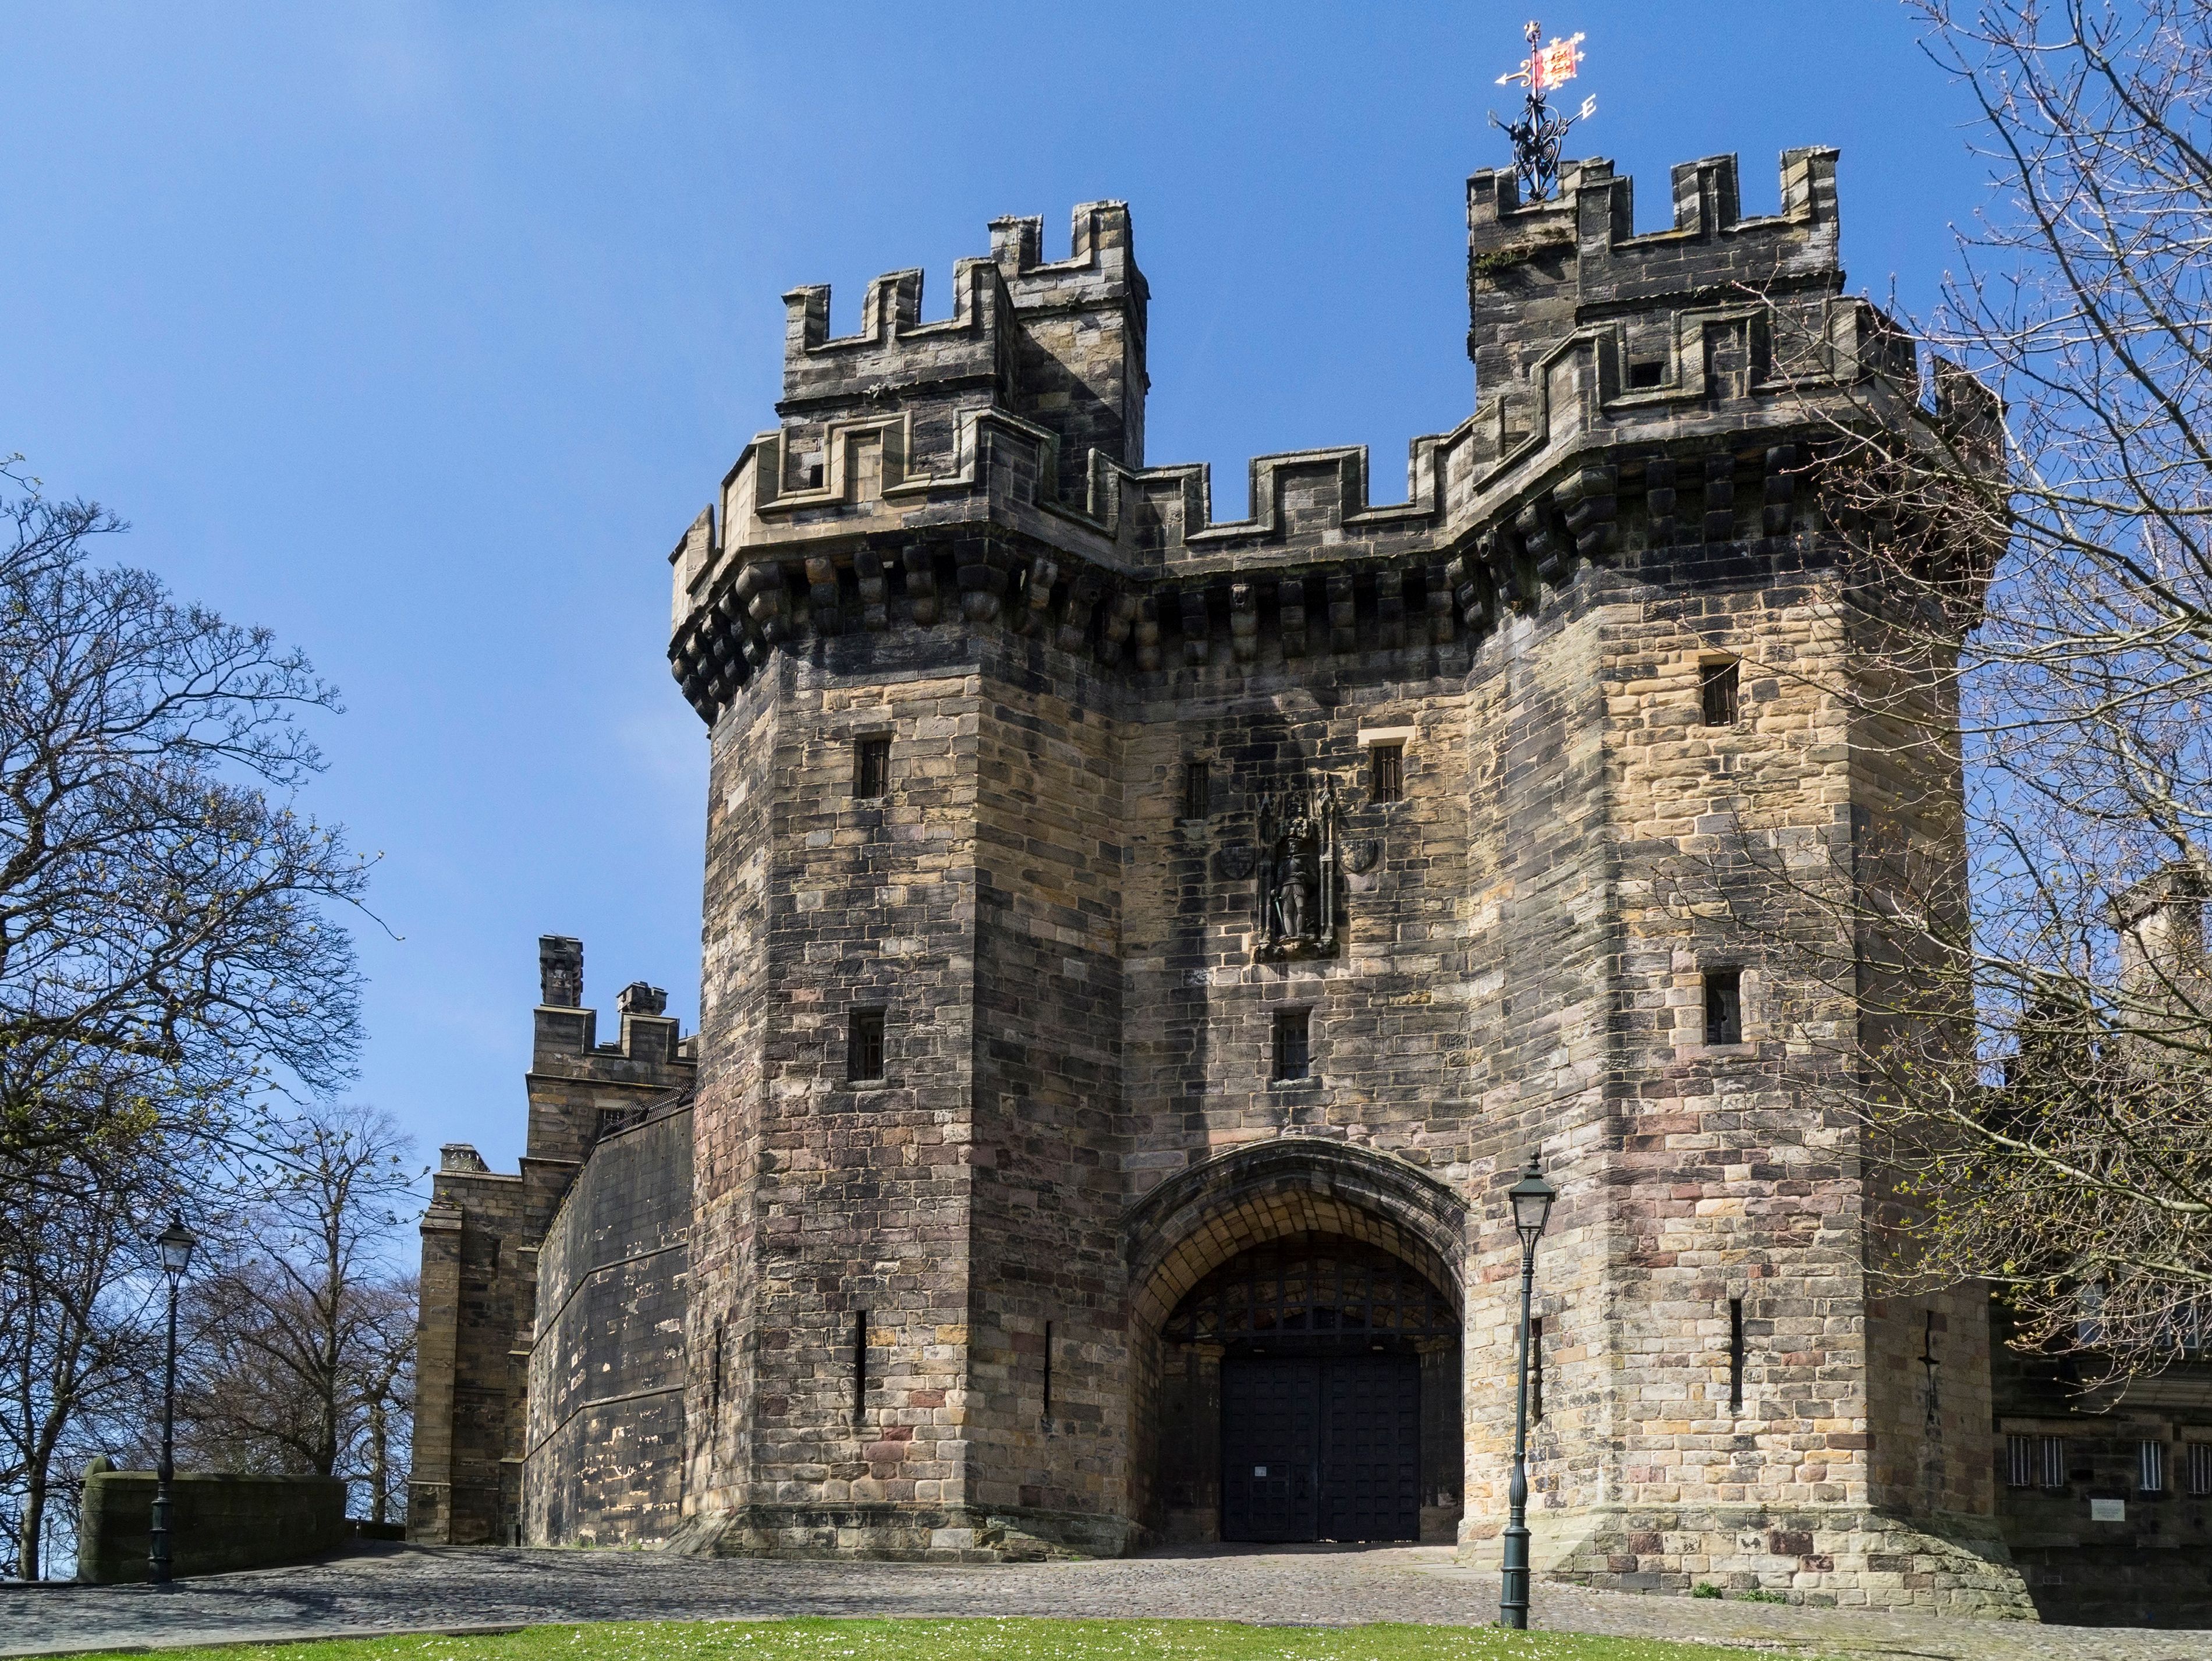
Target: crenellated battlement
1664,387
1058,344
1537,270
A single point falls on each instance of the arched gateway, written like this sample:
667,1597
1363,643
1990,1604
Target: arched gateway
1139,951
1297,1306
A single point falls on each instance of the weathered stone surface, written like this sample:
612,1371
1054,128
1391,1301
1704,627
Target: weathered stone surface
482,1238
952,543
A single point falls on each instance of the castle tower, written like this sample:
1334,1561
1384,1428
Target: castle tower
1141,951
508,1364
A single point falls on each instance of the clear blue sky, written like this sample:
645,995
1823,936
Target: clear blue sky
420,332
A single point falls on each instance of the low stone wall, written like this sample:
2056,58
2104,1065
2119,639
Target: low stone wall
216,1522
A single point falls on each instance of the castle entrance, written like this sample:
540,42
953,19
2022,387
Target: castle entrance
1329,1370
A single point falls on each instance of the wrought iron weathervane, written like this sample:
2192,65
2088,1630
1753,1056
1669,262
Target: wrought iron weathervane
1539,133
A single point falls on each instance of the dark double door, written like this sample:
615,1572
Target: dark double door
1321,1448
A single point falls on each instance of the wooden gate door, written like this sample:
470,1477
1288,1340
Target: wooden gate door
1270,1449
1370,1479
1321,1449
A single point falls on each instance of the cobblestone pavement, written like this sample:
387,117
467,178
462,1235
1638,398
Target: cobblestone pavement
413,1588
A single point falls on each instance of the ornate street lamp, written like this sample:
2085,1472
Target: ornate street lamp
1532,1198
175,1243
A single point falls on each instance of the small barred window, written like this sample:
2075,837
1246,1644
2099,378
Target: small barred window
2053,1458
2200,1469
864,1046
1293,1044
1197,789
1720,693
2150,1462
872,768
1386,772
1724,1005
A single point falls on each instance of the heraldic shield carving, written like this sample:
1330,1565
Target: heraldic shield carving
1297,871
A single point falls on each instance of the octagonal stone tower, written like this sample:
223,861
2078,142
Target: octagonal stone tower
1141,949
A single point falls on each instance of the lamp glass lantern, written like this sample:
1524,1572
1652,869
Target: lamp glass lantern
1532,1198
175,1243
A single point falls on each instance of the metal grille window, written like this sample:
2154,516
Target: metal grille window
1386,772
2050,1452
2020,1462
2200,1469
1724,1005
2150,1461
1293,1044
1322,1295
872,768
1197,786
1719,681
864,1046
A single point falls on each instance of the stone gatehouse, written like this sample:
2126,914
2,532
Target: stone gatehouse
1141,947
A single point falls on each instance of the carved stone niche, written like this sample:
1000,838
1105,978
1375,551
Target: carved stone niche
560,972
1299,872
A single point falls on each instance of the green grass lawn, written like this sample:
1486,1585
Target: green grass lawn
993,1640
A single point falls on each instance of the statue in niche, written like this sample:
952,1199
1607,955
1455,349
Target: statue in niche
560,972
1297,868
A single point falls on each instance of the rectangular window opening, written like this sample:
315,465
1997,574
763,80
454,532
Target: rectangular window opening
872,768
1736,1354
1293,1044
1386,772
2020,1462
2051,1455
1048,1369
2200,1469
1536,1369
1197,787
1724,1005
1719,680
864,1046
860,1364
1644,376
2150,1459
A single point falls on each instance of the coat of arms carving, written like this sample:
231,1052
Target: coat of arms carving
1297,871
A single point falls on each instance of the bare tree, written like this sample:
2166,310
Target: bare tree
2033,578
385,1393
167,947
80,1337
303,1335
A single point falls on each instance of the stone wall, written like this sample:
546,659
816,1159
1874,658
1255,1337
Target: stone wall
2097,1546
604,1463
218,1523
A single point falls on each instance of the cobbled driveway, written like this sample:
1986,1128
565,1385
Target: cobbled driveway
417,1588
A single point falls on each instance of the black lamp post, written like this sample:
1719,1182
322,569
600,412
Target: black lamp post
175,1243
1532,1198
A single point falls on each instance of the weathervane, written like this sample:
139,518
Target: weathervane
1539,133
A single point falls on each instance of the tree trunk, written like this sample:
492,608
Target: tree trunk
377,1458
34,1519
